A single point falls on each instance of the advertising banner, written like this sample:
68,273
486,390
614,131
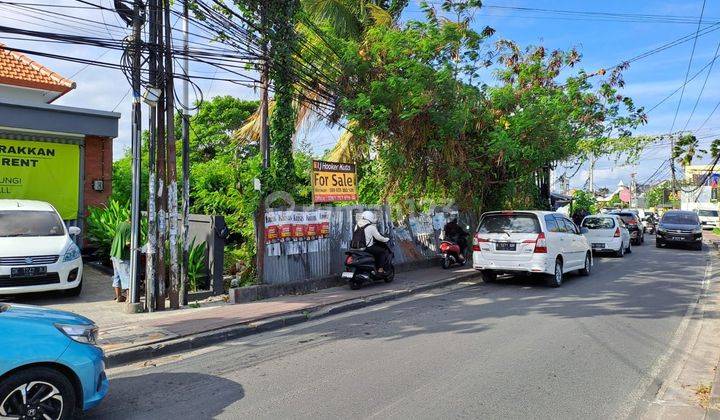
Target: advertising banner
333,182
34,170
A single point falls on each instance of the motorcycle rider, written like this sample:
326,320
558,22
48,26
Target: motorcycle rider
375,243
455,233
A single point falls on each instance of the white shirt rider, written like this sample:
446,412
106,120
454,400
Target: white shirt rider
367,223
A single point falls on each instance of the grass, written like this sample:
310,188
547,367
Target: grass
702,392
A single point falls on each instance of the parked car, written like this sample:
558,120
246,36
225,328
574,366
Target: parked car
636,228
530,242
679,227
37,253
50,367
708,218
607,233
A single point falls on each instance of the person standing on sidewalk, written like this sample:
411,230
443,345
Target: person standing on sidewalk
120,256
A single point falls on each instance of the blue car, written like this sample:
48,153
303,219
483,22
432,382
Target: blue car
50,367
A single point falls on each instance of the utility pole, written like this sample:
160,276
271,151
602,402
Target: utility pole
171,162
672,164
161,167
185,162
591,175
134,297
633,190
150,268
264,144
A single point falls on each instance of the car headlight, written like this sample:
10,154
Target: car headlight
72,253
81,333
661,229
697,230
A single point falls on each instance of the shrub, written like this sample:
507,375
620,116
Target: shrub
102,223
197,268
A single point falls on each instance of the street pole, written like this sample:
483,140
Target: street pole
592,174
185,162
171,162
264,149
135,146
161,167
672,164
150,269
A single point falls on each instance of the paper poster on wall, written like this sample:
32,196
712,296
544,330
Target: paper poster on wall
271,228
299,225
34,170
324,223
285,225
311,224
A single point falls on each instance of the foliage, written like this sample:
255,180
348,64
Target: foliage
197,268
416,97
102,223
661,194
584,201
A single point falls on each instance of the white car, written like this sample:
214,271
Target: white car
36,251
530,242
606,233
709,219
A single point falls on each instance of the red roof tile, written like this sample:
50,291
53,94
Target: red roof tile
17,69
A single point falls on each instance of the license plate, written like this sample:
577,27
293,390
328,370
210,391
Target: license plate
505,246
28,271
598,246
677,238
347,274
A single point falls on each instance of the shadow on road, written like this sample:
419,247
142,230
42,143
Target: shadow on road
168,395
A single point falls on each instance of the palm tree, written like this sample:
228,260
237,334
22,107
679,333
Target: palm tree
347,19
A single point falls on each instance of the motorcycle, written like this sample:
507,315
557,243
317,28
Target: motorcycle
650,226
451,254
360,268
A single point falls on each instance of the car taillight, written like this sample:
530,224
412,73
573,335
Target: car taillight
632,222
540,244
348,260
617,233
476,242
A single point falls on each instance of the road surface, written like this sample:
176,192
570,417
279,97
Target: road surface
594,348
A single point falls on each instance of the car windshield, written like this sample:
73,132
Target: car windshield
708,213
30,223
680,218
598,223
509,223
627,217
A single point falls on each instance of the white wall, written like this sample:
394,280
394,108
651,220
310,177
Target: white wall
26,95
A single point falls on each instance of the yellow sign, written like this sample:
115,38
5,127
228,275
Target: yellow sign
35,170
333,181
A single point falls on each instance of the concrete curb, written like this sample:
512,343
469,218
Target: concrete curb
713,410
196,341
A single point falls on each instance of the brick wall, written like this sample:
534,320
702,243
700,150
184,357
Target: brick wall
98,165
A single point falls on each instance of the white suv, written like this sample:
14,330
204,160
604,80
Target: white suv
530,242
36,251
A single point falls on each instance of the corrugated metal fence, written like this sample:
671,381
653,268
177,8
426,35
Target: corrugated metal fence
416,238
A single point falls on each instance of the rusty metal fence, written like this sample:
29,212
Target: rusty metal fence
416,238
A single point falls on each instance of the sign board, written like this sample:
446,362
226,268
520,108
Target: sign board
625,195
36,170
333,181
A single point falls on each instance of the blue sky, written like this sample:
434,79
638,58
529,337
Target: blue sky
603,43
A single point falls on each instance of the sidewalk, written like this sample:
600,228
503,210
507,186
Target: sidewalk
132,337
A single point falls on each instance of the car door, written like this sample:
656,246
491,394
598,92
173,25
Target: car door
564,240
575,244
624,231
554,236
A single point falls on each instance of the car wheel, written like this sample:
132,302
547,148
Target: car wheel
620,252
75,291
556,279
628,250
698,246
489,276
658,244
37,392
642,238
585,271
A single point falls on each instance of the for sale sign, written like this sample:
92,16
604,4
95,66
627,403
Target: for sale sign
333,181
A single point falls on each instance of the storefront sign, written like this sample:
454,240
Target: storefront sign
333,181
34,170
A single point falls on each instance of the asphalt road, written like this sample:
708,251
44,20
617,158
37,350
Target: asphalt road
594,348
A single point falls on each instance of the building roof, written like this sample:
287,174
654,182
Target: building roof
19,70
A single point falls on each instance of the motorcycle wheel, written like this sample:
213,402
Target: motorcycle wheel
390,275
446,263
355,284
